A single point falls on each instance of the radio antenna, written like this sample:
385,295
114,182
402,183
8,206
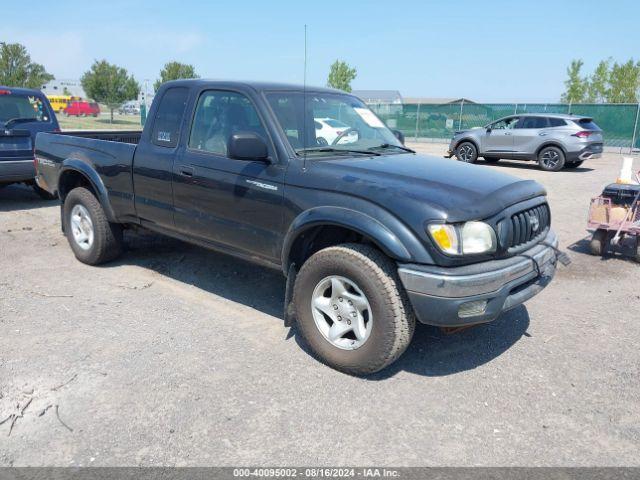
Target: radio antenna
305,136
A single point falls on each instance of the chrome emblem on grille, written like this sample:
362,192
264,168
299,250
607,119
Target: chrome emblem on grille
535,222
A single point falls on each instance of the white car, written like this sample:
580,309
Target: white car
329,129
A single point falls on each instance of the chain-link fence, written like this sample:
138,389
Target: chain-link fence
429,122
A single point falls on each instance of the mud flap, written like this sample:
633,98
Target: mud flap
289,310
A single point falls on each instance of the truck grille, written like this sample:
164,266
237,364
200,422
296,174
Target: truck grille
527,225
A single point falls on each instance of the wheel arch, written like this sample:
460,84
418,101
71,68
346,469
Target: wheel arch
470,140
75,173
321,227
551,143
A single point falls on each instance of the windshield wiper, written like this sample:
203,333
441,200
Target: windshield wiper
389,145
11,121
337,150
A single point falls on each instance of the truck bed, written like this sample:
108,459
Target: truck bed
105,157
121,136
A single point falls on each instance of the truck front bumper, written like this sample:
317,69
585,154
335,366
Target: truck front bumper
478,293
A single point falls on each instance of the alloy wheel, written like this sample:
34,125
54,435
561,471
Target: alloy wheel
341,312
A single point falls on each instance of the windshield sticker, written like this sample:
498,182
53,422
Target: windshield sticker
369,118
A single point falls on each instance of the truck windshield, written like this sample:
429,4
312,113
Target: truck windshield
22,108
348,124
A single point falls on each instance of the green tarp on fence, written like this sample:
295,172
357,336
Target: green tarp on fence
428,121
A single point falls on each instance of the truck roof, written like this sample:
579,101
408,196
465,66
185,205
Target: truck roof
257,86
22,91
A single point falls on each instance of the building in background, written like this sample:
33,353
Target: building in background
435,100
379,96
64,87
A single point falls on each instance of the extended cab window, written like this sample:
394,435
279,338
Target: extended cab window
166,128
219,115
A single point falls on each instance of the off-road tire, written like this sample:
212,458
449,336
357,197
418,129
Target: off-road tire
556,166
107,243
599,242
392,315
467,152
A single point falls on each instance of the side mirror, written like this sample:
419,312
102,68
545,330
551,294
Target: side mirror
488,129
247,146
399,135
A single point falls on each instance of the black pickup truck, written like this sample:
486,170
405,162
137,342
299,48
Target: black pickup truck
369,234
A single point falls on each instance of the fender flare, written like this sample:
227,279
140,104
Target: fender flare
359,222
75,165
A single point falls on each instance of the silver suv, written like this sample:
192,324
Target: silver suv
553,140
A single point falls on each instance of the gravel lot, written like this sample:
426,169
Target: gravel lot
175,355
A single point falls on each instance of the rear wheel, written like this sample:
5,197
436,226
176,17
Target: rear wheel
599,242
93,239
352,310
551,159
467,152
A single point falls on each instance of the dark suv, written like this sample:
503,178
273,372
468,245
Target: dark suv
23,113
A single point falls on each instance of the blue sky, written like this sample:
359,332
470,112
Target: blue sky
484,50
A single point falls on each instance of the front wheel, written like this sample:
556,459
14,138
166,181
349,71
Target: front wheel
352,310
93,239
551,159
467,152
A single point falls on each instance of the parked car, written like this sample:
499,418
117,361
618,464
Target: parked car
330,131
129,109
23,113
369,235
60,102
553,140
82,109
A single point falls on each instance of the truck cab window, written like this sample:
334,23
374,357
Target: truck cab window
166,128
219,115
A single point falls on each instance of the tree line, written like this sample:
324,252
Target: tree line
610,82
112,85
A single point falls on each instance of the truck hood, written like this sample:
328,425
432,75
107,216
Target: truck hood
443,189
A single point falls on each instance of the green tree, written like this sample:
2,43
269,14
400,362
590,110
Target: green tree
175,71
576,85
598,84
624,82
17,69
341,75
109,84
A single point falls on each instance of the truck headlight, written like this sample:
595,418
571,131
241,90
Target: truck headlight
478,237
464,239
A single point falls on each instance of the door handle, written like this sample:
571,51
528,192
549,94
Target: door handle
507,133
543,134
186,171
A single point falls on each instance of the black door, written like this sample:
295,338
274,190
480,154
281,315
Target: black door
236,204
153,163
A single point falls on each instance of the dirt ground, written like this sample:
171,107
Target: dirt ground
175,355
